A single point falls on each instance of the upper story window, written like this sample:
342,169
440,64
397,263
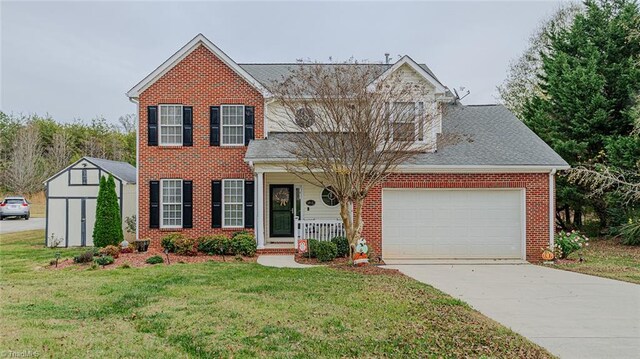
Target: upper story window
170,125
232,125
407,121
171,203
84,176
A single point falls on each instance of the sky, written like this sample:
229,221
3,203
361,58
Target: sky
76,60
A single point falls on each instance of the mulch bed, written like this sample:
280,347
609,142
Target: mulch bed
138,260
343,264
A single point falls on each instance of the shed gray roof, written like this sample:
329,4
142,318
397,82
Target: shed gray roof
487,135
267,74
122,170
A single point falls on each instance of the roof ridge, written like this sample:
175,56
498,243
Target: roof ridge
104,159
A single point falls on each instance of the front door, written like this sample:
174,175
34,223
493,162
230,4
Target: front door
281,210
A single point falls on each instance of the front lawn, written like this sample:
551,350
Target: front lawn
606,258
228,309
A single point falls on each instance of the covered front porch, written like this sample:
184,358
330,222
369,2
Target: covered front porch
288,208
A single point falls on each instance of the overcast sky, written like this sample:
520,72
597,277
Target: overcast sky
77,59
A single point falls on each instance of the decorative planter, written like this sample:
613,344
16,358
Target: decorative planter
142,245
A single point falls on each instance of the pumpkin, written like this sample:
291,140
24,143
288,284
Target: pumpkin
547,255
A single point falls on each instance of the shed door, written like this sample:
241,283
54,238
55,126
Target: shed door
452,224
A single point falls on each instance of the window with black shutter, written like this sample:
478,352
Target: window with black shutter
248,203
154,204
187,126
249,124
214,126
216,204
152,125
187,204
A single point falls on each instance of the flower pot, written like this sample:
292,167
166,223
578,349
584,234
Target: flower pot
142,245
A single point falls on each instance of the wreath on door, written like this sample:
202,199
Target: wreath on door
282,197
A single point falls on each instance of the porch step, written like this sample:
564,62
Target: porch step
282,251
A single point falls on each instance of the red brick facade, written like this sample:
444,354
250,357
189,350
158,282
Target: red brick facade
202,80
536,187
199,80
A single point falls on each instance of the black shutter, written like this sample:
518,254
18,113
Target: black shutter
249,122
216,204
214,125
248,204
154,202
152,125
187,204
187,126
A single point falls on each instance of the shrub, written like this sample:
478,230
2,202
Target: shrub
125,265
326,251
185,246
154,260
108,226
128,249
85,257
217,244
110,251
244,244
312,246
104,260
631,232
342,244
167,241
569,242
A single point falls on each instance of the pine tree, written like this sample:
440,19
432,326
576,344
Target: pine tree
108,226
591,77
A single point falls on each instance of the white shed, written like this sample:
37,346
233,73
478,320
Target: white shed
71,199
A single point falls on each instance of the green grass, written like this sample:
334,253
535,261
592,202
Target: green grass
232,309
607,258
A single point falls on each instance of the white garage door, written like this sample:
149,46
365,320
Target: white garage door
431,224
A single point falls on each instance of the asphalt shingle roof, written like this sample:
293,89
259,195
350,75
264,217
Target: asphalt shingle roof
487,135
122,170
268,74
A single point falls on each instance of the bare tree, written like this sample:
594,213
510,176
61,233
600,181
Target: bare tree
349,128
128,122
60,152
24,173
604,179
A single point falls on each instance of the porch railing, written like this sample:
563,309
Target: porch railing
320,229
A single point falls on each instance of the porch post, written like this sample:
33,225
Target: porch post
259,208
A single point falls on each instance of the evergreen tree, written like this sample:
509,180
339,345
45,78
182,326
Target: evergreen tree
589,83
108,226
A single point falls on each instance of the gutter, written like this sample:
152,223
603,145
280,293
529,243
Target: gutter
552,197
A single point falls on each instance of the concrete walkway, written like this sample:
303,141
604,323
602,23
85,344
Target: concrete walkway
9,225
572,315
280,261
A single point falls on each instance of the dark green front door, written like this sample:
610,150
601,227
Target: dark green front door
281,215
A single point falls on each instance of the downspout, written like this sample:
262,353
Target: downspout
552,217
137,167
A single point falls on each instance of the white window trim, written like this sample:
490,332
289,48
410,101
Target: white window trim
222,126
160,143
224,203
416,124
162,202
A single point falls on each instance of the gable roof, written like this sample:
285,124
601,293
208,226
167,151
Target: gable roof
490,136
406,60
199,40
121,170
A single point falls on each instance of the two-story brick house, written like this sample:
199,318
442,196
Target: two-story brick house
209,161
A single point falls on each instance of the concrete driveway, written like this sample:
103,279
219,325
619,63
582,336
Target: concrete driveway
9,225
572,315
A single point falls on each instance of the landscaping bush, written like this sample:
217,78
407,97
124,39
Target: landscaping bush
342,244
110,251
244,244
85,257
104,260
312,246
326,251
569,242
631,232
154,260
216,244
185,246
167,241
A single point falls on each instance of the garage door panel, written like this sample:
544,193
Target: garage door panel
452,223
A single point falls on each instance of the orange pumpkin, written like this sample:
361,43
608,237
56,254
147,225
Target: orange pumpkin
547,255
